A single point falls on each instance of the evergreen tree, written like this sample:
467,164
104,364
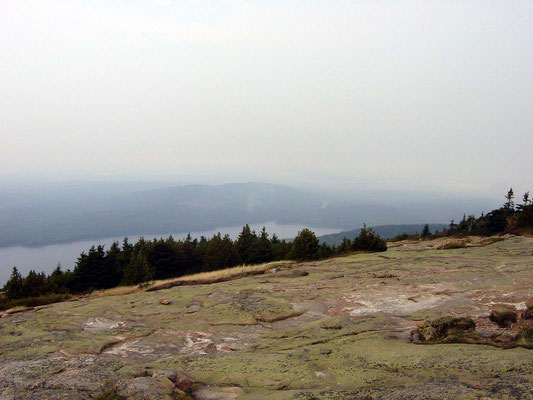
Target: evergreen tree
452,225
345,246
191,263
281,250
138,270
13,287
325,250
509,204
89,272
305,246
220,253
34,284
113,266
525,202
426,232
56,280
164,259
244,243
368,240
262,249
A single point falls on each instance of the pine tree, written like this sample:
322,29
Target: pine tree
325,250
243,244
509,204
138,270
345,246
90,270
426,232
525,202
305,246
34,284
221,253
368,240
13,287
261,250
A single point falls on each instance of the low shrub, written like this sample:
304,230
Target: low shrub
368,240
109,394
33,301
525,337
503,314
446,329
452,244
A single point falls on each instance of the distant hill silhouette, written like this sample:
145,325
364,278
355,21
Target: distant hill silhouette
71,213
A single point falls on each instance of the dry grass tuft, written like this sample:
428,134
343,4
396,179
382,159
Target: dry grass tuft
452,244
217,276
17,309
487,241
116,291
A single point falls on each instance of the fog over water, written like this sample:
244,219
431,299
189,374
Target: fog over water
45,258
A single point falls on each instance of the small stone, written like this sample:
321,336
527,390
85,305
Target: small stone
184,383
211,348
165,373
165,301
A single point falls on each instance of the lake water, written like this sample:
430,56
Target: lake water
45,258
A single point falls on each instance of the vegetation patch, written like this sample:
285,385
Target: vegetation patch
452,244
525,337
217,276
528,312
503,314
446,330
109,394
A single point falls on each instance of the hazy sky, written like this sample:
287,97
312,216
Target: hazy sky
394,94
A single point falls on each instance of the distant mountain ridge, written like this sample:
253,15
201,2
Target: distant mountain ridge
385,231
68,214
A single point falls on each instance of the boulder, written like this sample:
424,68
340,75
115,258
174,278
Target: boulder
145,388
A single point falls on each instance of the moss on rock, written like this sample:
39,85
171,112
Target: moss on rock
503,314
446,330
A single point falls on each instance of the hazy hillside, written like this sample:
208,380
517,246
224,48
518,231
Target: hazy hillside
385,231
37,216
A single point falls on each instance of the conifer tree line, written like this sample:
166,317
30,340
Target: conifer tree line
509,218
146,260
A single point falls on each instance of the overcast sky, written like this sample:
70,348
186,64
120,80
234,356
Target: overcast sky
418,95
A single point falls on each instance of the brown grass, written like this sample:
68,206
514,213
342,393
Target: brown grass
452,244
217,276
487,241
117,291
17,309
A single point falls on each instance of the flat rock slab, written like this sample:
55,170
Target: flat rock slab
100,323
